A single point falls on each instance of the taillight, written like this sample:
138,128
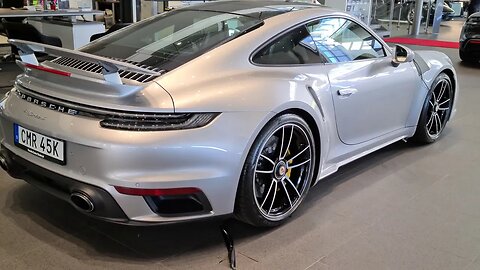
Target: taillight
158,122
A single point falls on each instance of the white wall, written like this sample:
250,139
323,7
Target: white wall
178,4
337,4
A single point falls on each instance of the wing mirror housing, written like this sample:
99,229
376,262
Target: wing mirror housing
402,55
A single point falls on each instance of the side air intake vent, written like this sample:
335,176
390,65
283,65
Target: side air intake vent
94,68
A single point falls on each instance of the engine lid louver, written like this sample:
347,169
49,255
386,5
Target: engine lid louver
94,68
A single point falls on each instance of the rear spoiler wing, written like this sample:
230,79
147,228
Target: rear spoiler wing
110,67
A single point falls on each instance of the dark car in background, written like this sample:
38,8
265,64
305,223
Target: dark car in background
470,39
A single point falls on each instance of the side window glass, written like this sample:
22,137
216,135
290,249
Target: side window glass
341,40
294,47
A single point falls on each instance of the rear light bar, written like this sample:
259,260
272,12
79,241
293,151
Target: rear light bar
157,192
50,70
158,122
474,41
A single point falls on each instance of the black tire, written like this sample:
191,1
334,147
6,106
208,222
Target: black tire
436,110
258,186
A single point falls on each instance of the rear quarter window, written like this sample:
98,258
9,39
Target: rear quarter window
295,47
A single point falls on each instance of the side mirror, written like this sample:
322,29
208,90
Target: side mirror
401,55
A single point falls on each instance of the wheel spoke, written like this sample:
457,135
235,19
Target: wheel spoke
299,178
436,124
294,187
442,90
440,104
301,152
434,97
430,123
267,158
431,103
444,109
439,123
288,145
268,193
257,171
274,196
281,142
297,165
288,195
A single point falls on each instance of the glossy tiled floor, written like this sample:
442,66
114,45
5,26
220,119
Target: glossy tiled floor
403,207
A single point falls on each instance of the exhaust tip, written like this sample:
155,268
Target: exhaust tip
82,201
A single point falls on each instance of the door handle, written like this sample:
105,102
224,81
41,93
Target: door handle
346,92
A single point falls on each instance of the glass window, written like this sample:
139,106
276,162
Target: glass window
169,40
341,40
294,47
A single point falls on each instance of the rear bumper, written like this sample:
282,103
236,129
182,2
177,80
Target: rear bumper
106,208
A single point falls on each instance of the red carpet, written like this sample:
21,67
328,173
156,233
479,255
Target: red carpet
423,42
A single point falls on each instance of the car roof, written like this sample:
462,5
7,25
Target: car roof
235,5
257,9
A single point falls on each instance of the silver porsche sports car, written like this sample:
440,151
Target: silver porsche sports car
228,107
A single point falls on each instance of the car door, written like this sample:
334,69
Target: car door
371,97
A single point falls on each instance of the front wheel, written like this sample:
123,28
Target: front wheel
436,110
278,172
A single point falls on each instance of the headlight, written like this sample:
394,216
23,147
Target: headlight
158,122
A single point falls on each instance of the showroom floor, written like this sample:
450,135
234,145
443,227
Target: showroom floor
403,207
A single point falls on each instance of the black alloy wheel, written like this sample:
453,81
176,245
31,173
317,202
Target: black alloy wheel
436,110
278,172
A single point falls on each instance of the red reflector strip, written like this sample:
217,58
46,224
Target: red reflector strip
50,70
157,192
475,41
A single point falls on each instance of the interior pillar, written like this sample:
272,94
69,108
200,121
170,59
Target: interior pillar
129,10
417,22
437,18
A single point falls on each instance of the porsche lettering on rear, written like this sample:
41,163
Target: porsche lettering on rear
46,104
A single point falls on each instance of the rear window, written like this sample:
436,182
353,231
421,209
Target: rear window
293,48
171,39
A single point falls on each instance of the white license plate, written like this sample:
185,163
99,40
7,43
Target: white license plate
39,145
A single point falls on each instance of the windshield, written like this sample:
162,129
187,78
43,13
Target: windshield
172,39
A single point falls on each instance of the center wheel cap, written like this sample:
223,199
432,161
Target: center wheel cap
280,170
